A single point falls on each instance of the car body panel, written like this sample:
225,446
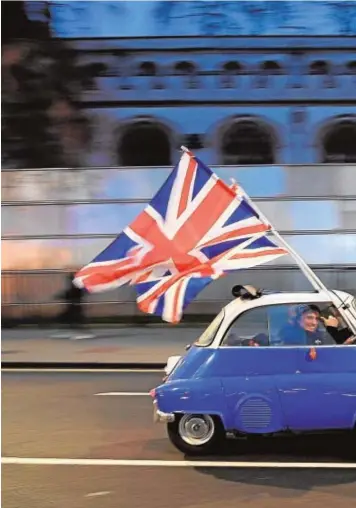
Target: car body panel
322,393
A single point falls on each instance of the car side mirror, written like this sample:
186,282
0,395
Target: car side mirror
187,347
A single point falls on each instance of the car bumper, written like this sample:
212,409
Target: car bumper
160,416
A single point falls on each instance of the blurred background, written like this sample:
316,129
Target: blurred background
98,97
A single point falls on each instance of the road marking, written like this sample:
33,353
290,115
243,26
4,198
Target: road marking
79,371
123,394
171,463
96,494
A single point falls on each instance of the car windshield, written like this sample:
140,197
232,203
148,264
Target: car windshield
209,333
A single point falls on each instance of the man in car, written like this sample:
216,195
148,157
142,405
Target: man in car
304,329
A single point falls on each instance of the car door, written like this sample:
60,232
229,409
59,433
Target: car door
249,368
322,395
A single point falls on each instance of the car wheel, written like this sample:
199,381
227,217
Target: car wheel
196,434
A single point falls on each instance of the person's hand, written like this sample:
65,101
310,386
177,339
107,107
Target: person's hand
330,321
350,340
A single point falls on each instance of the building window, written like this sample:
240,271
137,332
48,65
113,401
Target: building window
189,73
247,142
229,72
267,69
319,68
339,143
271,68
147,69
145,144
351,68
184,69
193,141
90,72
322,69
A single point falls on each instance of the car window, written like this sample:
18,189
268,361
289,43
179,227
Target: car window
210,332
299,324
249,329
282,325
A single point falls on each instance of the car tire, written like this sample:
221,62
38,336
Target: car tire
196,434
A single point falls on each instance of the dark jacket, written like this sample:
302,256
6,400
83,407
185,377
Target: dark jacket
339,336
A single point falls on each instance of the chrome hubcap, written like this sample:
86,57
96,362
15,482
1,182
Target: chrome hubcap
196,430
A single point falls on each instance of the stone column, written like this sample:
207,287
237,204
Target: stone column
103,145
301,149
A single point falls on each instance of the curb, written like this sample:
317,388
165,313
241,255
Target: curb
82,366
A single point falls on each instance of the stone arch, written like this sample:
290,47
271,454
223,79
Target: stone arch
337,141
148,69
271,67
229,71
188,73
247,140
351,68
185,68
232,67
145,142
319,68
265,71
323,72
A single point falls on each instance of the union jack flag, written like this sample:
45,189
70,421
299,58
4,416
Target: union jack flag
194,230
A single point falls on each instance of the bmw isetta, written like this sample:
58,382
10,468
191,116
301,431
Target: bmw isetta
269,363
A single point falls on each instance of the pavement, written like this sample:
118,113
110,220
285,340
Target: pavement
86,418
144,344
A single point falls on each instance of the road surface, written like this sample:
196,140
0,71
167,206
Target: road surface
86,418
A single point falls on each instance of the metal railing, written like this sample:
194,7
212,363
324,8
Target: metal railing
32,292
29,293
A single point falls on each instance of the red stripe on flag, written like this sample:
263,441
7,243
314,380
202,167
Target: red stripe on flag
249,230
265,252
188,180
204,217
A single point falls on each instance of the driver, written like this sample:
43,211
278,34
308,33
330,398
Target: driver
334,325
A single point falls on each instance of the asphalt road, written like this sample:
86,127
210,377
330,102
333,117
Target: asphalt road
61,416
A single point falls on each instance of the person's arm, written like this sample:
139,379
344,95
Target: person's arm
351,340
339,336
343,336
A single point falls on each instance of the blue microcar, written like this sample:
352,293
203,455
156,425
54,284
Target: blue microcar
268,363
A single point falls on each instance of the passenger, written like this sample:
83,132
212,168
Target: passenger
334,325
305,329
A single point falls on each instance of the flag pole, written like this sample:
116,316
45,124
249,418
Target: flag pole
184,149
317,284
314,280
308,272
303,265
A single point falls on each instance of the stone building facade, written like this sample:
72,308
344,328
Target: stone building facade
248,82
264,92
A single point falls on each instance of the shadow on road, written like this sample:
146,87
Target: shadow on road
311,449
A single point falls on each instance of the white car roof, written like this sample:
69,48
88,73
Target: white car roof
238,304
